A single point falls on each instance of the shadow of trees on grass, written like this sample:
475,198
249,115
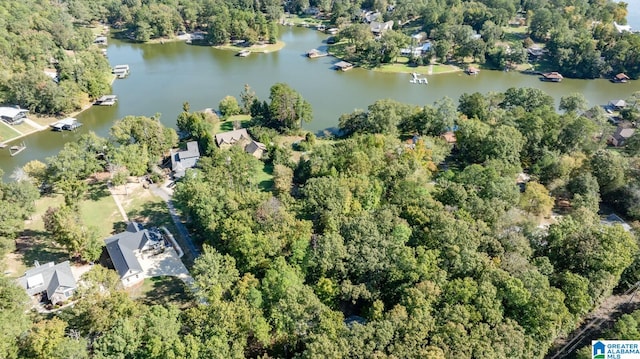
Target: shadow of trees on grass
167,290
33,247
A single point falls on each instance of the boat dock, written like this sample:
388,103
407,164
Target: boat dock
14,150
244,53
106,100
67,124
312,54
121,71
416,79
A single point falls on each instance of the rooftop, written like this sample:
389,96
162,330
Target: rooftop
232,137
48,277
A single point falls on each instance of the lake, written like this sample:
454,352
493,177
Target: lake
164,76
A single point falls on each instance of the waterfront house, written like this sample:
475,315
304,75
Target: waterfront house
613,219
55,281
13,115
230,138
535,51
183,159
256,149
127,249
621,78
617,104
552,76
449,137
620,137
343,66
426,47
379,28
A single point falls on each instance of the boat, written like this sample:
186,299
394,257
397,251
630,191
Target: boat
67,124
106,100
244,53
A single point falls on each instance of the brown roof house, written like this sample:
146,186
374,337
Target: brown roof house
241,138
54,280
621,135
449,137
621,78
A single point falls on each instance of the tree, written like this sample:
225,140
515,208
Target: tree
67,230
287,108
536,200
247,97
145,131
575,102
47,340
13,319
228,107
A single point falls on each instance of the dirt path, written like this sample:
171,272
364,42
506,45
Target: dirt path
598,321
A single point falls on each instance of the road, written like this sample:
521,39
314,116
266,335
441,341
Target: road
184,239
601,319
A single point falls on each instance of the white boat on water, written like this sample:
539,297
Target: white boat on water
416,79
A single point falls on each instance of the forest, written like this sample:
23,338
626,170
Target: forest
386,241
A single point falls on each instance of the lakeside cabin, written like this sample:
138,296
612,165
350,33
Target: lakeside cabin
121,71
67,124
472,71
106,100
620,78
552,76
244,53
314,53
13,115
343,66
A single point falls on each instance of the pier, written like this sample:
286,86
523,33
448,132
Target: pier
416,79
244,53
121,71
314,53
67,124
106,100
14,150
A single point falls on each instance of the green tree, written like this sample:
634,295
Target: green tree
145,131
287,108
228,107
536,200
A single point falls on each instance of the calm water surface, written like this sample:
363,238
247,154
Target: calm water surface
164,76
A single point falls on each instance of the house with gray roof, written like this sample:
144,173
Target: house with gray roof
183,159
13,115
54,280
621,135
124,250
379,28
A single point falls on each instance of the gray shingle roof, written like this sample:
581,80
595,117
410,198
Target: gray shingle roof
121,249
48,277
181,160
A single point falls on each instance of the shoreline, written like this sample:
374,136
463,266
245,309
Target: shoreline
44,122
259,49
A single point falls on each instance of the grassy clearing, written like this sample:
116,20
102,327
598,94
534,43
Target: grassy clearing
6,132
264,177
304,19
253,48
24,128
224,126
163,291
141,205
424,70
99,210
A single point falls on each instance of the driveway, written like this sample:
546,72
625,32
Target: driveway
166,263
184,239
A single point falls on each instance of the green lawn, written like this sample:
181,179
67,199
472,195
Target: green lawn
424,70
163,291
24,128
6,132
224,126
99,210
264,177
